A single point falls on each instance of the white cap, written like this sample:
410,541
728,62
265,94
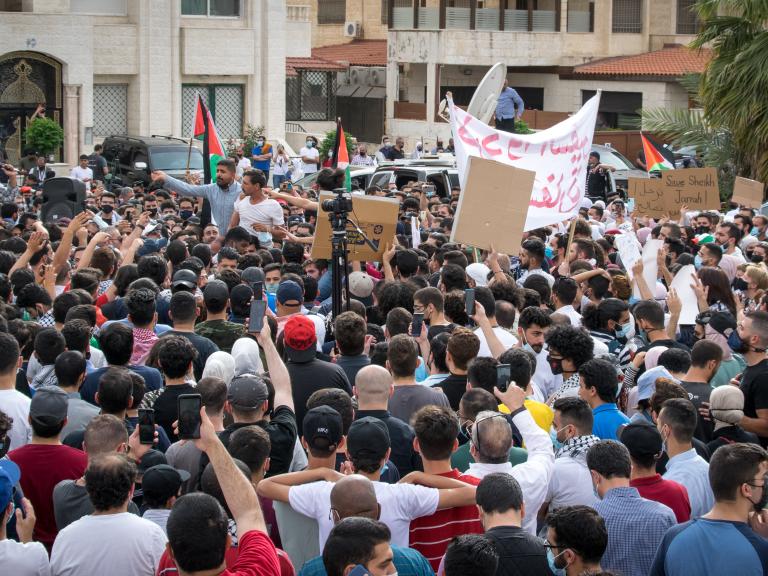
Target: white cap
479,273
586,203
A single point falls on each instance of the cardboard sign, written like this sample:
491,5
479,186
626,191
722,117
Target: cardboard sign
683,283
747,193
493,206
693,187
376,217
650,266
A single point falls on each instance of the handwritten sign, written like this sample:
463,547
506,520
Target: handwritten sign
693,187
629,249
747,193
683,283
376,217
508,190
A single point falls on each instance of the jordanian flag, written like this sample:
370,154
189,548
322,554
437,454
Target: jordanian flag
205,130
655,159
341,154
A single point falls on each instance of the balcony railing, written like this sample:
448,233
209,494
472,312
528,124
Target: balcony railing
466,15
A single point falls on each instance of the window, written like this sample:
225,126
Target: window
216,8
311,96
617,109
385,12
331,11
110,109
627,16
108,7
225,101
687,20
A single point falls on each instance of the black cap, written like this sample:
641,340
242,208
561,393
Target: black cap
323,428
247,392
723,322
368,438
216,294
151,458
49,406
162,481
641,439
185,278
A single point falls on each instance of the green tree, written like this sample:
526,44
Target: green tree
326,144
44,135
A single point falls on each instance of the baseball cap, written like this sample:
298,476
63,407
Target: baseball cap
360,284
162,481
641,439
290,291
646,383
216,294
151,458
479,273
247,392
185,278
323,428
240,296
368,437
49,406
300,338
252,274
9,477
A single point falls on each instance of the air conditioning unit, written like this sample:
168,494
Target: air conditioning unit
378,77
353,29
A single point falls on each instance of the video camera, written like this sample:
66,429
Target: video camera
341,204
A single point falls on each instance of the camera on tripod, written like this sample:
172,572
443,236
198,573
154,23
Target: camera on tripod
341,204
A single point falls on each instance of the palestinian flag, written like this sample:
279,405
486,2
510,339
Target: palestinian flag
205,131
655,157
341,155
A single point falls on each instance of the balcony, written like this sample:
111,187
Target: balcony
491,15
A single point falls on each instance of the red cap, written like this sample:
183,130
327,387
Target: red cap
299,333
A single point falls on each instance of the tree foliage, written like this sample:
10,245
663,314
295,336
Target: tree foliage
44,135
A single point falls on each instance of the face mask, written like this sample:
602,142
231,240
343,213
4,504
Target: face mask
152,211
701,230
756,258
556,364
760,504
740,284
555,442
551,560
697,262
185,214
387,144
271,288
107,209
623,330
548,252
310,143
754,232
737,344
418,147
259,142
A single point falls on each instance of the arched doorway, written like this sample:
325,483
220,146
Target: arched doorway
28,80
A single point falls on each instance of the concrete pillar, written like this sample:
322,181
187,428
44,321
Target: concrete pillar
433,70
72,148
393,80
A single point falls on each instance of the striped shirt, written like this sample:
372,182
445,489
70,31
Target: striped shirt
431,535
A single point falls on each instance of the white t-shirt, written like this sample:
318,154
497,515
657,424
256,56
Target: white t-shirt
24,559
16,405
84,174
104,544
506,338
571,484
400,503
281,166
267,212
242,165
311,153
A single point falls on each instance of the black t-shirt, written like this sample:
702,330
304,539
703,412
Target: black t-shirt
754,385
439,329
699,392
204,346
453,387
308,377
166,407
520,553
401,437
97,163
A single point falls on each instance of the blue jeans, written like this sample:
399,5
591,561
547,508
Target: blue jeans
278,179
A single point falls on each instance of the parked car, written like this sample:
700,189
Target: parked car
440,172
624,167
359,175
133,158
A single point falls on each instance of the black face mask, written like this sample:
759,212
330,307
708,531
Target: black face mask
756,258
107,209
702,230
739,284
556,364
760,504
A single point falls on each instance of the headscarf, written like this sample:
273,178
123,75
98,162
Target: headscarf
247,358
220,365
642,235
714,336
728,265
726,402
652,356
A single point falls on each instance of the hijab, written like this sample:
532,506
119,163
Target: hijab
220,365
247,357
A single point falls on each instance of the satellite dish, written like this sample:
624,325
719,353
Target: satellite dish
483,103
442,110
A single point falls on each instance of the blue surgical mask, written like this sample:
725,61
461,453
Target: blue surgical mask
754,232
271,288
551,561
555,442
623,330
697,261
548,252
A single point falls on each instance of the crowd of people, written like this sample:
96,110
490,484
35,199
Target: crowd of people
470,412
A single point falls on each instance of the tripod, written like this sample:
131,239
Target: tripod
340,277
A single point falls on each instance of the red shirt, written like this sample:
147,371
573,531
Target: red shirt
254,556
431,535
668,492
42,467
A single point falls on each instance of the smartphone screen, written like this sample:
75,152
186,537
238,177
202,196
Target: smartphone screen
502,376
146,426
469,301
417,324
189,415
258,290
256,320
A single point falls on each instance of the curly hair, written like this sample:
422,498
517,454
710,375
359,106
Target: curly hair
572,343
396,295
108,480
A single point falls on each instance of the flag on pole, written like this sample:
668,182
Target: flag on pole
341,155
655,159
204,129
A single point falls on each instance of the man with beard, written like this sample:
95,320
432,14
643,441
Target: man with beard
532,256
221,195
